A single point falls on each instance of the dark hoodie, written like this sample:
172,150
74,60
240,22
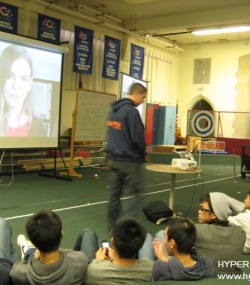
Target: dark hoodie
174,269
69,269
126,138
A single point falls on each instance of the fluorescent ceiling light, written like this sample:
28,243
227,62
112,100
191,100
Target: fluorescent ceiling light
221,31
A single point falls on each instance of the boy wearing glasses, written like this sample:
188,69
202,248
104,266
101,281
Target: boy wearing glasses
216,239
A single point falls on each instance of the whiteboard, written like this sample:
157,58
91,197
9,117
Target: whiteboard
92,110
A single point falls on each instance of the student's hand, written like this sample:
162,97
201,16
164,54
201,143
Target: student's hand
110,254
159,249
101,254
37,254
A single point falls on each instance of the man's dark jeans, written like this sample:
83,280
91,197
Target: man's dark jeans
122,174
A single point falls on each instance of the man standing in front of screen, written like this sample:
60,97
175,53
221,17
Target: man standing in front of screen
126,151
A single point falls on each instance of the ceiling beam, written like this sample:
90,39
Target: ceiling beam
193,20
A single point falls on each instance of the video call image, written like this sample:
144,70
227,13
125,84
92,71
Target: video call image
30,85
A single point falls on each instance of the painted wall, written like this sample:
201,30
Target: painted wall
221,91
27,26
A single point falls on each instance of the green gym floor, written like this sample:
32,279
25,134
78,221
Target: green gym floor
82,202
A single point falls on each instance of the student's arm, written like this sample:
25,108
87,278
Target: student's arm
159,250
136,130
242,219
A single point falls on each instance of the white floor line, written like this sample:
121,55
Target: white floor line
125,198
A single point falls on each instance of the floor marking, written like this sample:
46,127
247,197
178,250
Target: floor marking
125,198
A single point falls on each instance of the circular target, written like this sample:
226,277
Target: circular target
203,123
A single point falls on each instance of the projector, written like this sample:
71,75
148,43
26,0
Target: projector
184,164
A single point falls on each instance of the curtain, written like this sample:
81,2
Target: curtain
157,70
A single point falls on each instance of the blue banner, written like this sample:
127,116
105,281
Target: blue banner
8,18
111,59
49,29
136,61
83,50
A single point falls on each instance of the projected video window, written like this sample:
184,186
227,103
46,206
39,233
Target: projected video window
127,81
30,85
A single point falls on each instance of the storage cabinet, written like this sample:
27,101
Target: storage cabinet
160,125
166,133
152,124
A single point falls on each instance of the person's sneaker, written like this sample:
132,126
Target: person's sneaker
24,244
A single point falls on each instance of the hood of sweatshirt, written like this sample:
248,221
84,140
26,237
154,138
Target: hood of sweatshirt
61,271
174,269
118,104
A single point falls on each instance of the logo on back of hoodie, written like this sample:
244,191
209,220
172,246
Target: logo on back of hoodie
115,125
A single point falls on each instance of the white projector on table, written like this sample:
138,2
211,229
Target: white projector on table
184,164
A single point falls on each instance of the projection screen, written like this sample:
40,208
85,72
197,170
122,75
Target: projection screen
127,81
30,93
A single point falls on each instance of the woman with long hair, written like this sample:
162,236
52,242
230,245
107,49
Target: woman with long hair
16,118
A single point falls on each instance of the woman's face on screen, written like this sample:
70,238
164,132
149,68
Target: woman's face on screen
17,84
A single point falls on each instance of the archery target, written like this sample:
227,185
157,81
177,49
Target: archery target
203,123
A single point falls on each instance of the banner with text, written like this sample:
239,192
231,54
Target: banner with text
111,59
83,50
136,61
8,18
49,29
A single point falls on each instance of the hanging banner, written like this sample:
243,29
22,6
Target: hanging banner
136,61
83,50
48,29
111,59
8,18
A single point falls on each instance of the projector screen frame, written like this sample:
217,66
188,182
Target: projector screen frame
126,81
57,52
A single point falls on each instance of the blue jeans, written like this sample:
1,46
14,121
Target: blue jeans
123,173
87,242
7,249
147,248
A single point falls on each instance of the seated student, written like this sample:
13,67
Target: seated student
51,265
243,220
216,239
8,254
178,263
119,264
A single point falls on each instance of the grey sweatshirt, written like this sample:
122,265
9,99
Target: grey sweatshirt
69,269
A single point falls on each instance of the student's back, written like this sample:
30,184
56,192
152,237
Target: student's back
50,265
119,264
220,243
70,269
107,273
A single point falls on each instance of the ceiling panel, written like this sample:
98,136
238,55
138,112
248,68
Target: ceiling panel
157,17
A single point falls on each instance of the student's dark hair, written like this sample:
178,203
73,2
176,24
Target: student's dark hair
206,198
129,235
248,193
137,87
183,232
44,230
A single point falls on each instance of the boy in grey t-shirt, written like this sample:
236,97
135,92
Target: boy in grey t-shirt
119,264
